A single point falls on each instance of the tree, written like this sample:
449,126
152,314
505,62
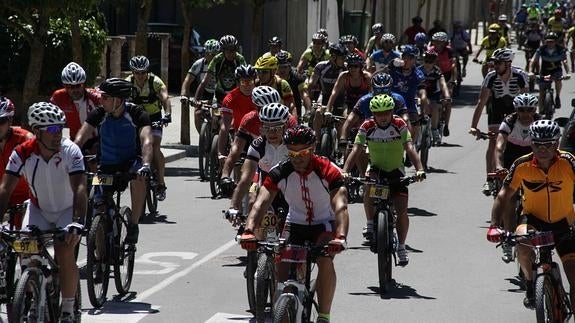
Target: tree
74,11
144,11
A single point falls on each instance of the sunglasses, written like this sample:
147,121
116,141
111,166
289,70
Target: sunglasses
523,109
53,129
299,154
73,86
543,145
270,129
247,82
4,120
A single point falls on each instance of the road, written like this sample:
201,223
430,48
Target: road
189,269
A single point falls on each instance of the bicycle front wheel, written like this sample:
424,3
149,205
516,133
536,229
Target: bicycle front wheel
97,270
548,306
383,250
326,148
548,105
285,309
215,169
425,145
251,267
125,253
204,151
265,285
151,199
26,305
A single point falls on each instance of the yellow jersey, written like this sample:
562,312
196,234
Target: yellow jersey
490,46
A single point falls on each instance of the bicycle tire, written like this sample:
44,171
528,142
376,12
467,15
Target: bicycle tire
310,304
326,148
285,309
204,151
383,250
215,169
251,267
151,198
28,287
97,286
548,105
78,303
546,298
124,255
425,145
53,300
265,285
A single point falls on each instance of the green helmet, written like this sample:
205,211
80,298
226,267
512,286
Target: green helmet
381,103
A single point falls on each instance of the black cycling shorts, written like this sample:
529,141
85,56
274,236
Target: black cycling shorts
318,234
563,247
498,109
395,187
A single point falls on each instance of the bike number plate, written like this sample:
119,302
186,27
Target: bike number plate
269,220
216,112
102,180
25,246
378,191
294,254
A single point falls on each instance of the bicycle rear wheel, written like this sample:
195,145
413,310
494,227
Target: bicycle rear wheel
326,147
215,169
548,306
425,145
97,270
78,304
265,285
549,105
204,151
383,250
251,267
125,253
151,198
26,305
285,309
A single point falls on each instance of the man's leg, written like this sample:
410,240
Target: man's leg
326,282
400,203
160,166
68,274
138,195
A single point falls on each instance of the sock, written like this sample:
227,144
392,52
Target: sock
68,305
401,246
323,315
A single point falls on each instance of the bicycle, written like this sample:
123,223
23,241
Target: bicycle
37,294
328,137
106,240
442,122
424,140
552,303
210,125
151,195
216,165
8,257
545,85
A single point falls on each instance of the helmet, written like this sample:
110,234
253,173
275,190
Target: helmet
409,50
421,38
345,39
524,5
430,53
440,36
284,58
502,18
212,46
245,72
544,131
377,28
416,20
494,28
6,107
388,36
323,31
558,12
525,100
381,103
337,49
503,55
266,62
275,40
299,135
354,59
381,82
263,95
73,74
117,87
45,114
551,36
139,64
319,36
229,42
274,113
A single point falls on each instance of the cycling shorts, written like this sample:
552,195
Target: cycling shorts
46,221
395,188
563,247
318,234
495,115
129,167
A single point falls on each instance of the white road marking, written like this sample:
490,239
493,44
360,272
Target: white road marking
226,317
167,267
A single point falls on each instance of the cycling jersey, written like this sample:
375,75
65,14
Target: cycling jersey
49,181
518,139
361,108
296,82
308,194
533,13
199,70
551,58
432,85
534,37
411,31
556,25
15,136
459,39
352,94
76,111
373,45
547,196
223,71
147,95
313,60
521,16
444,59
327,74
407,85
385,144
490,46
250,126
381,58
265,154
503,92
237,105
119,137
283,88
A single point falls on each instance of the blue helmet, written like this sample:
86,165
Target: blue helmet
381,83
421,38
409,50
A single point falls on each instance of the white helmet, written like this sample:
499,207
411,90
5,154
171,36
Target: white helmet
73,74
388,36
503,55
263,95
440,36
274,113
526,100
45,114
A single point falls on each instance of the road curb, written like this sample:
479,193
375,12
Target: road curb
173,152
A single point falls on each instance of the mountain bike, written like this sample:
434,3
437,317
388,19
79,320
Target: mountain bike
215,164
546,86
9,258
106,244
552,303
151,195
210,126
424,140
328,137
37,294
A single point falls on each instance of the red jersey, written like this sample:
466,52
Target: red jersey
76,112
250,126
16,136
444,58
237,105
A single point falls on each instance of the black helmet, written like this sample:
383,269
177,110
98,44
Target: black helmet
245,72
117,88
337,49
299,135
551,36
284,58
275,40
354,59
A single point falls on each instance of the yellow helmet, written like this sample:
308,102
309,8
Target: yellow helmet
494,28
266,62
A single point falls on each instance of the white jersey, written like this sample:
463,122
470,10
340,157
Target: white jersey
265,154
199,69
49,181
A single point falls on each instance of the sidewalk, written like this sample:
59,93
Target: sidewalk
171,145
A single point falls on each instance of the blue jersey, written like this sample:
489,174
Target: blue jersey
361,108
119,137
381,59
407,85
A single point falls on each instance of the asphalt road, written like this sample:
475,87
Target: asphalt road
189,269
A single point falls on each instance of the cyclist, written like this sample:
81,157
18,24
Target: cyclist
50,163
557,24
350,42
546,177
501,85
408,36
534,12
379,59
319,216
152,94
353,83
437,27
533,37
446,61
461,44
296,81
195,74
275,45
421,45
222,69
504,27
519,23
374,42
266,68
387,138
571,36
552,56
313,55
125,135
490,43
10,137
74,98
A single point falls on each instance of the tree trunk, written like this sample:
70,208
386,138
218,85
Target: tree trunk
77,53
144,11
185,62
257,28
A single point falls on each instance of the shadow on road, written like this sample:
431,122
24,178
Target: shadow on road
467,95
448,145
438,170
182,171
155,218
242,262
414,211
397,291
122,305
